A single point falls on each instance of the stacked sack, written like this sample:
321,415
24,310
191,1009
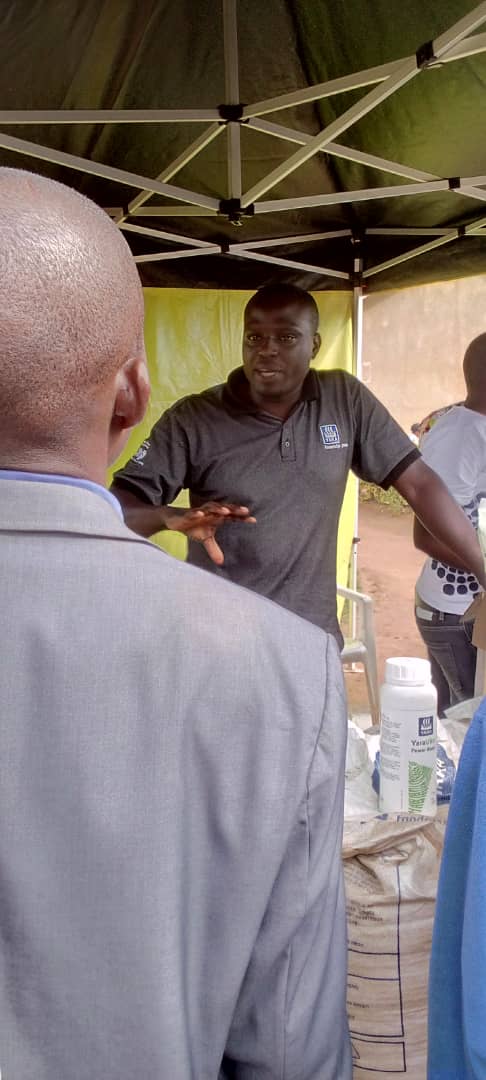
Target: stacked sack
391,866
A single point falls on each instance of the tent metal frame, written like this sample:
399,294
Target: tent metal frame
456,43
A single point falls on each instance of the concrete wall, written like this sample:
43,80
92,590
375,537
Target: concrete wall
414,341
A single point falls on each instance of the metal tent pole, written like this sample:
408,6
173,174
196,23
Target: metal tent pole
405,71
159,234
174,167
463,48
185,253
300,238
348,153
473,229
108,116
96,168
232,92
174,211
308,268
358,300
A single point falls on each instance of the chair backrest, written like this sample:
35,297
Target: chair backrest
360,643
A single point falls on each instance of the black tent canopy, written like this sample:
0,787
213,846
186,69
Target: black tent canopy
336,143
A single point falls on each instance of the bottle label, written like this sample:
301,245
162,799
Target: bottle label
408,753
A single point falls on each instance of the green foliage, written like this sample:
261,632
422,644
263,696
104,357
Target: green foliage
389,498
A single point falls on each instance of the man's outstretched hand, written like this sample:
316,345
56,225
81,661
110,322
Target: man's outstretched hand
201,524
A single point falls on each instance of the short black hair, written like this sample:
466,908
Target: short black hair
284,293
474,365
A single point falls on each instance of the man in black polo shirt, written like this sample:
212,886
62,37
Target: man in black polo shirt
266,458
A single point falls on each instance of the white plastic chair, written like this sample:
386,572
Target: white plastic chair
360,646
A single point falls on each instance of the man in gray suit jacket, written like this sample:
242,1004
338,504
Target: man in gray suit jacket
171,746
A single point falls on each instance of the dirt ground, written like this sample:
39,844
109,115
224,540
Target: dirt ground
388,567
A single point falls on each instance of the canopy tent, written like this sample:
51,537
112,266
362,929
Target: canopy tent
335,144
338,144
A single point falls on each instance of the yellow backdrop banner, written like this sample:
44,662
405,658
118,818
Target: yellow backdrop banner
193,340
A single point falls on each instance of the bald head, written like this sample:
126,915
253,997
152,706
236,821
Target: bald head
71,312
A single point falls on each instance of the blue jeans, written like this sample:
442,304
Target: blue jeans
451,653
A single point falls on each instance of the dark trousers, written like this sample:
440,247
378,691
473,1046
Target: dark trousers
452,655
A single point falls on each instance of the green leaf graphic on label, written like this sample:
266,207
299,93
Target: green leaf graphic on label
419,777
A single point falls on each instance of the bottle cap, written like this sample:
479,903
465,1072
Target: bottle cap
407,671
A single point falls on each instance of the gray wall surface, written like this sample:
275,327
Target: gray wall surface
414,341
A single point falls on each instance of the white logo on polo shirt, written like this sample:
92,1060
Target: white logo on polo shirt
331,437
141,452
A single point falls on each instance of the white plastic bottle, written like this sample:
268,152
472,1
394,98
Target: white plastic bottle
408,738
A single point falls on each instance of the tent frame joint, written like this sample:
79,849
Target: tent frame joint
232,114
234,211
425,55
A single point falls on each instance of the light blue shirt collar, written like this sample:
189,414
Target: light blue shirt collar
72,481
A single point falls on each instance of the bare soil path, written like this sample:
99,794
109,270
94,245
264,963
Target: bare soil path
388,567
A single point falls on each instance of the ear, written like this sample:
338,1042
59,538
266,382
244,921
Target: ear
132,391
316,344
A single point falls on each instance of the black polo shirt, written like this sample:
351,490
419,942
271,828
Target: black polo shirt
291,474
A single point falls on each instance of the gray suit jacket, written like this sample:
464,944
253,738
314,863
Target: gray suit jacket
171,789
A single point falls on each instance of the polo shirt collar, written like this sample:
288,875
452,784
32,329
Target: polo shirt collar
236,390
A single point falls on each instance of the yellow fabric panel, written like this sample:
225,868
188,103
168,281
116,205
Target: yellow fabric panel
193,340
